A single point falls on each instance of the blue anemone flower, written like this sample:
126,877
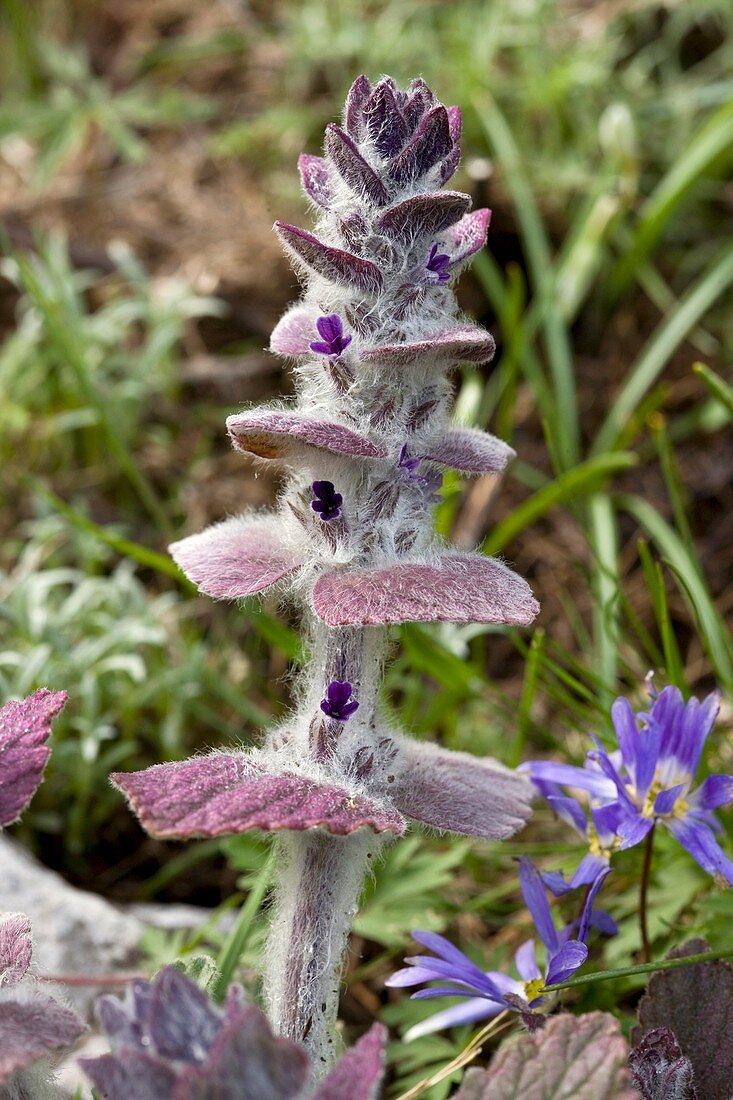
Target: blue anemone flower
649,780
491,992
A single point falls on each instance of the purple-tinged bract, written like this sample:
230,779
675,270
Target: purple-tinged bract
24,730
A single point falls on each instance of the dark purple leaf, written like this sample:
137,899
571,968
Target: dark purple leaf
359,93
696,1003
182,1021
459,792
279,434
659,1069
24,730
449,165
356,172
315,179
385,122
419,102
130,1074
16,947
358,1075
32,1029
431,142
467,237
332,263
460,588
572,1058
426,214
230,793
293,334
236,558
469,450
462,344
248,1062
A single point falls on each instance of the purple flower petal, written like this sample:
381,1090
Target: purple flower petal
665,800
24,729
16,947
535,897
461,344
462,588
293,333
569,775
440,946
334,264
281,434
431,142
409,976
571,812
566,961
470,451
633,829
32,1029
590,898
700,842
231,793
715,791
604,762
525,960
358,1075
459,792
588,870
424,215
315,179
355,171
467,237
239,557
684,727
639,748
385,122
470,1012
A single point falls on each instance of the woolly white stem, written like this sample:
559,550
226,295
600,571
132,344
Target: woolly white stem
320,879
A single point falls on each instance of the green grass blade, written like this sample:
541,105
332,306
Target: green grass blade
569,487
603,536
673,663
536,245
236,941
715,637
664,341
718,388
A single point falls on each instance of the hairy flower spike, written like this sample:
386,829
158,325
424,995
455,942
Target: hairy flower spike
377,271
338,703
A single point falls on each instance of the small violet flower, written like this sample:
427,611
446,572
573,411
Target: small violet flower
648,780
333,341
437,265
429,482
491,992
338,703
326,501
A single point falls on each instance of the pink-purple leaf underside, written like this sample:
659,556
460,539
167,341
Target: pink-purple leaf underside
16,947
333,264
462,344
295,332
229,793
239,557
428,213
24,730
460,793
131,1073
31,1029
455,123
466,237
430,144
281,435
358,1074
458,588
571,1058
315,179
470,451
